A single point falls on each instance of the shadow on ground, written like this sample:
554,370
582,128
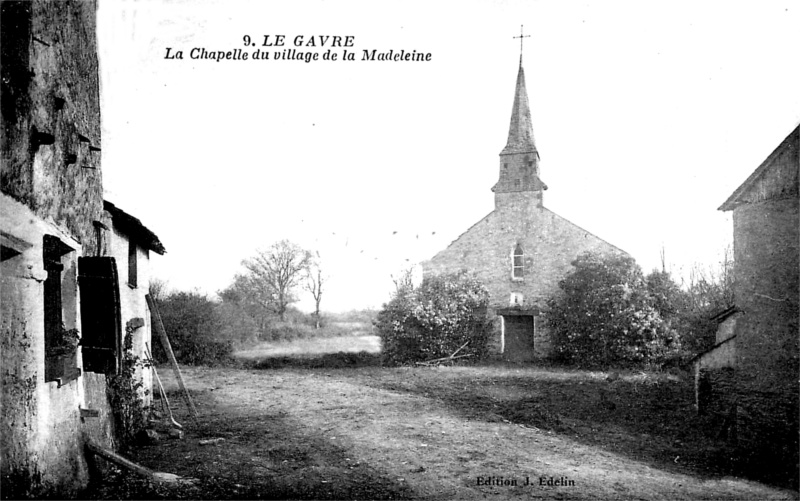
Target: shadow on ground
256,455
649,418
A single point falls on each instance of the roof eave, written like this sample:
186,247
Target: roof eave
735,199
134,228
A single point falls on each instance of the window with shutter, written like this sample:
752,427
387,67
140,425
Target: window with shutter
100,313
132,268
60,341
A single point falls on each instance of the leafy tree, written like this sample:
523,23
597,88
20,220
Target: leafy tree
605,316
435,319
668,297
275,272
250,298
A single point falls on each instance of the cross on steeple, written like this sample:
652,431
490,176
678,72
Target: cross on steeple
521,36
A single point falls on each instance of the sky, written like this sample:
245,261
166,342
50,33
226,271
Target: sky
646,115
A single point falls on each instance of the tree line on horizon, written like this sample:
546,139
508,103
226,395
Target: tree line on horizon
607,312
257,306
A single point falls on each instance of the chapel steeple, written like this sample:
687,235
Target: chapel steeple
519,160
520,131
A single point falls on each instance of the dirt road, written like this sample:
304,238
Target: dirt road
428,433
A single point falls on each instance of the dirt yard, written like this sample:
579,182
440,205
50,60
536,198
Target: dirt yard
441,433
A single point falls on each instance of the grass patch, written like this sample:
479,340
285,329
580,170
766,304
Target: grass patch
311,347
298,330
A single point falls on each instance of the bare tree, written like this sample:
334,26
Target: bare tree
157,289
277,271
404,281
711,287
315,280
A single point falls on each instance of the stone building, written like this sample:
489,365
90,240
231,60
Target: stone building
521,249
58,283
766,235
713,371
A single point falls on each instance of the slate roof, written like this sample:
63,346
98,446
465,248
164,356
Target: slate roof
520,131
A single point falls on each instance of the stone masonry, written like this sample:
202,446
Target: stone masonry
766,236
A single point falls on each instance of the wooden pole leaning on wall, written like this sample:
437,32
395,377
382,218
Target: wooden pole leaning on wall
162,336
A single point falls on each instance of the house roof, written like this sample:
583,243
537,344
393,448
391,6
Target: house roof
739,196
520,130
724,314
134,228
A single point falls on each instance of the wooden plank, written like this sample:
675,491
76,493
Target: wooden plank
162,335
119,460
101,317
156,476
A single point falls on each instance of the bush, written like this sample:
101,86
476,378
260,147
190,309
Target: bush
192,325
123,392
606,316
434,320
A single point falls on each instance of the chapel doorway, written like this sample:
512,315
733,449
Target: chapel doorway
518,338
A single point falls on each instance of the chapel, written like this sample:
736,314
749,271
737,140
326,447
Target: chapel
520,250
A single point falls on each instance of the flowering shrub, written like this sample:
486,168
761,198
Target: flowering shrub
606,316
434,320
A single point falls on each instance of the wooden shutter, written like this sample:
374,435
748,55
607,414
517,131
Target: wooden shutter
100,313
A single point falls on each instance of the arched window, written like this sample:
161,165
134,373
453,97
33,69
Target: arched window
518,269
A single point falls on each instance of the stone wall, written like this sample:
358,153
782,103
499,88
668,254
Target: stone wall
726,328
550,244
766,236
715,388
51,112
715,366
52,186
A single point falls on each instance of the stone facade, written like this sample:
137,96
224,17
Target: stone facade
521,250
51,112
51,203
766,234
